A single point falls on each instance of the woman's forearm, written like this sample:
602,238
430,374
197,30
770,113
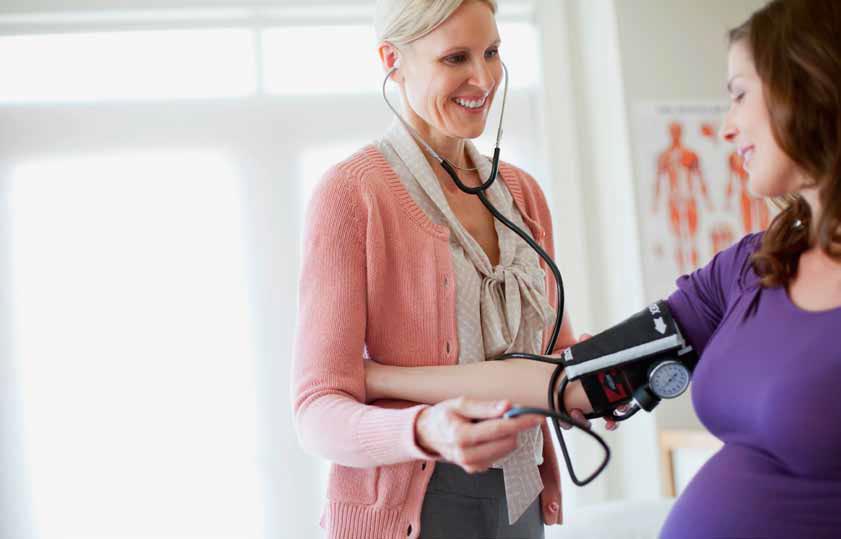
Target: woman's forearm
520,381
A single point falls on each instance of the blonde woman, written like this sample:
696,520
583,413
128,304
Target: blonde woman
402,267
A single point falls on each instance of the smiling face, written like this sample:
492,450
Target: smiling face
748,125
449,77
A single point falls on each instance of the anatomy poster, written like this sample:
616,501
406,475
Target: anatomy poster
692,195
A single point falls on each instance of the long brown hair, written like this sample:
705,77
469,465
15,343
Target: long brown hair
796,47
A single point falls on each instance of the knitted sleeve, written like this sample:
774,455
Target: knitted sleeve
328,379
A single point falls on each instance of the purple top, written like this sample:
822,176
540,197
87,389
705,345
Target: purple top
767,385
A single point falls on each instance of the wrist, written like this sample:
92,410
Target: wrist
420,438
575,398
373,381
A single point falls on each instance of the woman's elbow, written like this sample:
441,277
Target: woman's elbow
325,428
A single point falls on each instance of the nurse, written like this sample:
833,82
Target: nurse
402,266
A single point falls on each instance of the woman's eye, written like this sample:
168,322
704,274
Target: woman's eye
456,58
493,53
737,98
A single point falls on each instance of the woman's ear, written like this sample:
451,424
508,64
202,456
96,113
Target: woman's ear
390,60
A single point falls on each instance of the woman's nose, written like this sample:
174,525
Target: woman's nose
484,76
728,131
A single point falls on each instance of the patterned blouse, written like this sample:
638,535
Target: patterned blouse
499,309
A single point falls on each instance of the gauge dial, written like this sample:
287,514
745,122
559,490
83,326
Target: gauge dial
668,379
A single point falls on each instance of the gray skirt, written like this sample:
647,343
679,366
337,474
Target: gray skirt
458,505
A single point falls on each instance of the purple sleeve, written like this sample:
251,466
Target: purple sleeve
703,296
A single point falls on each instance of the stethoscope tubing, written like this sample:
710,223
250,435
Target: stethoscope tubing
556,411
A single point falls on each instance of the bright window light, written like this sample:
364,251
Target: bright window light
521,53
166,64
306,60
133,347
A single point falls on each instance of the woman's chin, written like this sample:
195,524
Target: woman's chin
468,131
764,187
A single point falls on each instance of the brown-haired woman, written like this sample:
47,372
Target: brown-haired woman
765,315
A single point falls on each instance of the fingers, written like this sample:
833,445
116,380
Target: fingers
611,424
578,416
479,458
479,409
583,337
494,429
480,445
550,500
564,425
475,446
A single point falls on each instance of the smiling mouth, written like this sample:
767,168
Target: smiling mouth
746,154
471,104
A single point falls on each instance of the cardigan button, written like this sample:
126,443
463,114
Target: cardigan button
448,347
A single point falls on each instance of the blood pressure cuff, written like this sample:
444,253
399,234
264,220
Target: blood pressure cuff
650,333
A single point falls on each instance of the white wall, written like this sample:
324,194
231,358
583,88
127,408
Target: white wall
585,108
267,136
12,517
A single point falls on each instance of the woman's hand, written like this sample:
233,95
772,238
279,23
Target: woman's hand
550,474
471,433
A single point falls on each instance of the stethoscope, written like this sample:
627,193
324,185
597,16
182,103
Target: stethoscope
553,412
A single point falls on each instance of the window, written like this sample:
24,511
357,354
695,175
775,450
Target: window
343,59
127,65
321,60
133,347
135,353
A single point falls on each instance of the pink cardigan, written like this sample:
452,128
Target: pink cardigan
377,281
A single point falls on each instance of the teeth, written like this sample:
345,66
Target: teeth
470,104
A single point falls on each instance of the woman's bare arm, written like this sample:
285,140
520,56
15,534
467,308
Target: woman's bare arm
520,381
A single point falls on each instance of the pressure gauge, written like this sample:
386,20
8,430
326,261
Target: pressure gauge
668,379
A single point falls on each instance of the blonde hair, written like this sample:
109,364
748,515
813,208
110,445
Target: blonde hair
400,22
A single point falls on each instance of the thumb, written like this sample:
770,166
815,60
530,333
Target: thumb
474,409
552,511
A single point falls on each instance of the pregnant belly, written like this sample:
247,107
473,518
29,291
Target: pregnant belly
744,493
